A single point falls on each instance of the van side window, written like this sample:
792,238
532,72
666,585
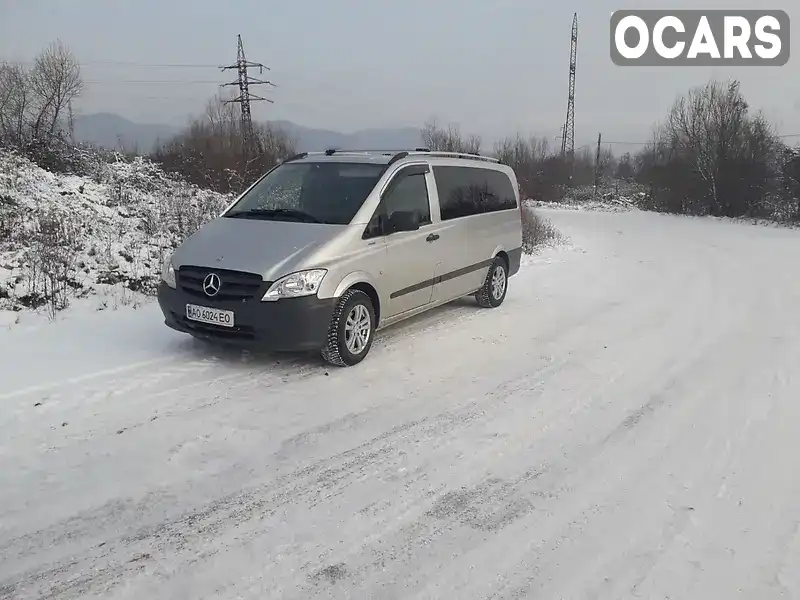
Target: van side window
408,193
465,191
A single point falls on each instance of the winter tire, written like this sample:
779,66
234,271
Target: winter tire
351,331
494,289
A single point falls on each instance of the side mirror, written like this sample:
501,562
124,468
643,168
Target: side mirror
403,220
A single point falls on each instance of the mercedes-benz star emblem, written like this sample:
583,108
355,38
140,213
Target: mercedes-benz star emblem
211,284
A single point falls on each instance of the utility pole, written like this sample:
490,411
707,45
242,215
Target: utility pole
597,165
568,141
652,175
243,82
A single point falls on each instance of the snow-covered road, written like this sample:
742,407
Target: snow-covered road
626,425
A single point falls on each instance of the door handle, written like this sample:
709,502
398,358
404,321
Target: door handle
432,237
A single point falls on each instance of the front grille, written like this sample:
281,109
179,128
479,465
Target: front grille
235,285
238,332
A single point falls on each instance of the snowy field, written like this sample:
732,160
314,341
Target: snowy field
624,426
95,240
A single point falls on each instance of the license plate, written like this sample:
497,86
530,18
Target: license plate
212,316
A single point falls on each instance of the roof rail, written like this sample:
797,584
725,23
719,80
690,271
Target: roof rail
387,151
399,154
296,157
456,155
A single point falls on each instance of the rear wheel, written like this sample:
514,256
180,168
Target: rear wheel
493,291
351,330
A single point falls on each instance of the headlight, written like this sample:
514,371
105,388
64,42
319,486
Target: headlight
168,272
302,283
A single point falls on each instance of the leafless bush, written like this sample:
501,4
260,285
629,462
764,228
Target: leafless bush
537,231
10,217
543,174
119,194
783,203
51,252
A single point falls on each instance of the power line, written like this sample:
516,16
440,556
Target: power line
149,81
123,63
628,143
786,135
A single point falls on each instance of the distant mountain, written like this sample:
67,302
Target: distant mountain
315,140
113,131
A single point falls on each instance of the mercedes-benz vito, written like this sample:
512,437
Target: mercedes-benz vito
327,248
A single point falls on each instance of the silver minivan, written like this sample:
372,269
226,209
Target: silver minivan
327,248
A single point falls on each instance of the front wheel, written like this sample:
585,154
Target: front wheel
493,291
351,330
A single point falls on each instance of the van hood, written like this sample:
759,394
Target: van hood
269,248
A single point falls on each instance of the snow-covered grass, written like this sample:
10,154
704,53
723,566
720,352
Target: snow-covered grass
623,196
102,236
611,196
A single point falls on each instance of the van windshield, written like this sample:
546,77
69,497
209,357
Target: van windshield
323,192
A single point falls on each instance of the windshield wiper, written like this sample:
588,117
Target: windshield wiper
275,212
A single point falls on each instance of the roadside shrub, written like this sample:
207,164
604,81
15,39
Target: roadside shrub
538,231
53,246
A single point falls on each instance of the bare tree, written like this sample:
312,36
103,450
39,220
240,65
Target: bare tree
711,156
55,82
450,139
15,101
625,168
35,107
210,151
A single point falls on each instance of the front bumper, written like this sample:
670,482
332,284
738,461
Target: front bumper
290,324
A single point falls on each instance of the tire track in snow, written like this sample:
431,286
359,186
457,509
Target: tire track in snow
442,425
555,332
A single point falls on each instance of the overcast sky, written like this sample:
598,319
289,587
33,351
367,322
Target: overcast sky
493,66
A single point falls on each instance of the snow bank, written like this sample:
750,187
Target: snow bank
607,201
101,236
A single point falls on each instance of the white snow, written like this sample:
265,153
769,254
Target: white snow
625,425
107,234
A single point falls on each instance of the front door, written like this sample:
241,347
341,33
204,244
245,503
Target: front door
411,257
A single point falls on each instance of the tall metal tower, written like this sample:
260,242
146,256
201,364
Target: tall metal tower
568,139
244,98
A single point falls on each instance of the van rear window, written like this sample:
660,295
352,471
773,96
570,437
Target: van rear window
465,191
323,192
